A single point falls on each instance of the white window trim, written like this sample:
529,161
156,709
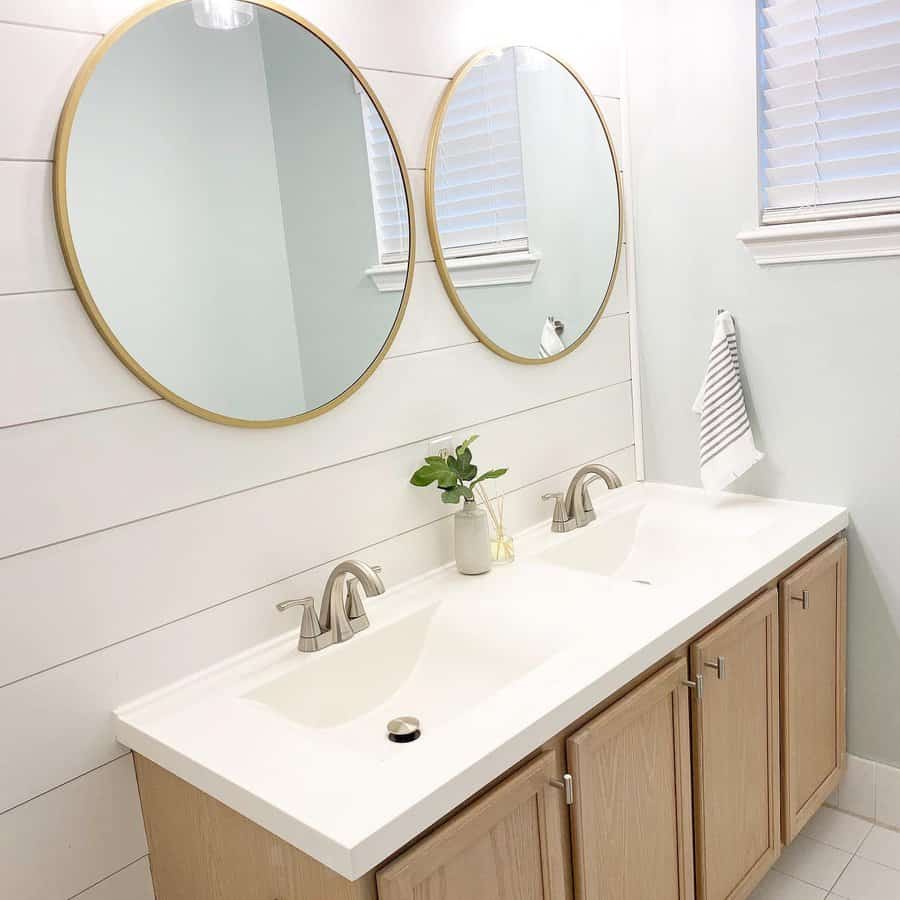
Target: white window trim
468,271
864,229
862,237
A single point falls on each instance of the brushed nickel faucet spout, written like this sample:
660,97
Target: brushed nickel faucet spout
341,613
577,503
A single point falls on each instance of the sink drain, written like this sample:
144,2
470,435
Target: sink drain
403,730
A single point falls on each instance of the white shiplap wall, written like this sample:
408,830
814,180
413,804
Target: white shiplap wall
137,542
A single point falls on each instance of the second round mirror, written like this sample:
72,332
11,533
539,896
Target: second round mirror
524,203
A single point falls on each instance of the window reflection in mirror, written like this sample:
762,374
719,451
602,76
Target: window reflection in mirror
524,203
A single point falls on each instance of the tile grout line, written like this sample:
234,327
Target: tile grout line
313,471
111,875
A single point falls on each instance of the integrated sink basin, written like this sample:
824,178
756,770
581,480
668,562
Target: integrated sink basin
659,540
434,664
491,666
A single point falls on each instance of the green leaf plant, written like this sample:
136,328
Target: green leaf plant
456,476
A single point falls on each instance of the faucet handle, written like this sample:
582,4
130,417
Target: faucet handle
356,611
310,629
561,521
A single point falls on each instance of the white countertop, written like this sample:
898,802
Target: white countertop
555,631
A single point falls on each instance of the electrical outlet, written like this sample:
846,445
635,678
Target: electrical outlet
441,446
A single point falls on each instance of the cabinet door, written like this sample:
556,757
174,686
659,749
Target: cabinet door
508,844
631,820
813,619
736,750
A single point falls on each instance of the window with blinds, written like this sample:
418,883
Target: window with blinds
830,108
479,186
388,195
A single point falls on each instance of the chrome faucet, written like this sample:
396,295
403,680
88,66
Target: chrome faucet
341,613
575,510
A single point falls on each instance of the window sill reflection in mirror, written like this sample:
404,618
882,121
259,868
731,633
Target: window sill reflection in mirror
468,271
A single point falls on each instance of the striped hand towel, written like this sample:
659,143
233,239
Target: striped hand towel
727,449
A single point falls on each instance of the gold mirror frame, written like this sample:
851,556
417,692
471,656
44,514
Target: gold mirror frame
60,207
431,211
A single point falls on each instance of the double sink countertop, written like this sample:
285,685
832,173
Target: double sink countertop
493,666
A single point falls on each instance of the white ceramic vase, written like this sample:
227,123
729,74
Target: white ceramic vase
470,539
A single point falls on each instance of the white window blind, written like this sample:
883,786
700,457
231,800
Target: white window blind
479,183
388,195
830,108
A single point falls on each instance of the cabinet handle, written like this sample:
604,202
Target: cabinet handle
803,599
719,666
697,685
566,785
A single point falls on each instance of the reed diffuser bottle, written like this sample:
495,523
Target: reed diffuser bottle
457,479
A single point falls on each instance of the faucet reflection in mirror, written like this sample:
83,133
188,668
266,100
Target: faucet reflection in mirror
222,15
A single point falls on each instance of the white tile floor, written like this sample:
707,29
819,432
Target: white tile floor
838,856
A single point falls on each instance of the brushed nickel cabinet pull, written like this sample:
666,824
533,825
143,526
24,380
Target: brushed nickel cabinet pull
719,666
803,599
567,785
696,685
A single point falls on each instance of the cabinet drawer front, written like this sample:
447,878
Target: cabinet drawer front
631,820
736,750
509,843
813,616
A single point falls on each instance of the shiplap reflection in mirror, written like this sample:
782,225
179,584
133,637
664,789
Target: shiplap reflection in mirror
228,194
524,203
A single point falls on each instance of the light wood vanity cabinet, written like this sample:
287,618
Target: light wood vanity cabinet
510,843
678,793
631,819
735,744
813,602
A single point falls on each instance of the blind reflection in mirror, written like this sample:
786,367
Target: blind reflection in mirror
524,200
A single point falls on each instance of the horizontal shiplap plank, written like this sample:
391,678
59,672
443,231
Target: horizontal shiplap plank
72,476
60,365
70,705
30,258
107,586
51,352
131,883
47,62
410,102
67,840
408,35
431,321
83,15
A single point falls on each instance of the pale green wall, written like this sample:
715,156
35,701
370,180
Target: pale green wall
819,340
206,254
342,319
570,189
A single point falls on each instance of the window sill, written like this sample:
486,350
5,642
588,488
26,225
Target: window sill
388,276
856,238
468,271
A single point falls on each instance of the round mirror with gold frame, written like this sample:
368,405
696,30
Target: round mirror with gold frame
234,210
524,203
